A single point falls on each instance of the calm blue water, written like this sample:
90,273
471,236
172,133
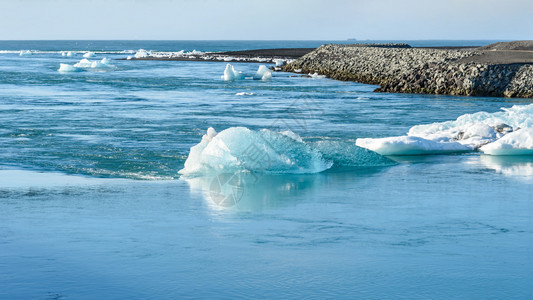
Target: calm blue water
92,206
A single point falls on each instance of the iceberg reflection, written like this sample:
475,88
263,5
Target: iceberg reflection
245,191
519,166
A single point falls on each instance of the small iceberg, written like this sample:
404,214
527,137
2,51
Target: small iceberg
316,76
280,62
244,94
25,53
263,73
231,74
519,142
89,54
65,68
141,53
87,64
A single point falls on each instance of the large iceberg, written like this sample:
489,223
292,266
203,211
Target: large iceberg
469,132
265,151
263,73
25,53
89,54
231,74
68,68
241,149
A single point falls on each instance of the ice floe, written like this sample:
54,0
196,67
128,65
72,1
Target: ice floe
263,73
64,68
231,74
519,142
25,53
497,133
409,145
89,54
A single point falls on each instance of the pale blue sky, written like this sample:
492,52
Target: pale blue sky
266,19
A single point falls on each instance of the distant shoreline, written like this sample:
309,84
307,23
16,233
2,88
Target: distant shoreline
257,55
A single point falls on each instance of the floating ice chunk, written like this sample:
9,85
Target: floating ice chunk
194,52
316,76
25,53
141,53
263,73
279,62
244,94
69,54
84,63
231,74
64,68
87,64
89,54
409,145
241,149
519,142
63,53
129,57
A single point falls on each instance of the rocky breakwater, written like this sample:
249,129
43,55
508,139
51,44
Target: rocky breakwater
418,70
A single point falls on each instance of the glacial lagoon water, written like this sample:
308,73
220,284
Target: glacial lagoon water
92,205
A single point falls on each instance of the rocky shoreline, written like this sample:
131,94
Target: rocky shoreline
401,69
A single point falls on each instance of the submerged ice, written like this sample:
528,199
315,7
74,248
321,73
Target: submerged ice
266,151
507,132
